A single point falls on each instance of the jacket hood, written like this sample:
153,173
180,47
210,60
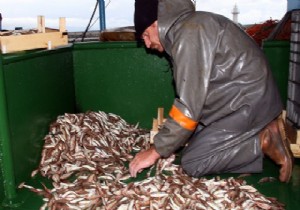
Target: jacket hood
169,12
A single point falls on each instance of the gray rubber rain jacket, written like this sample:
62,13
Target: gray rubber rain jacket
226,93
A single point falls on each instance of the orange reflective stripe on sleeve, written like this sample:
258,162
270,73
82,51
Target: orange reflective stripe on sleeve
182,120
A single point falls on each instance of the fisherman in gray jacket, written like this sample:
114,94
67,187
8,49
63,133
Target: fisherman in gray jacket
227,110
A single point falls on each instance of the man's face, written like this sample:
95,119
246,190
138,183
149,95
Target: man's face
151,38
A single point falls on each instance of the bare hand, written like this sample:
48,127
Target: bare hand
143,159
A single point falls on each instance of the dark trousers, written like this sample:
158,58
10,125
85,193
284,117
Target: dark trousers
215,149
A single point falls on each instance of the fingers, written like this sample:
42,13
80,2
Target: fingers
137,165
132,170
143,160
134,167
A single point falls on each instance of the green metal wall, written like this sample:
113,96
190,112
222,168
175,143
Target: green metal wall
39,87
123,79
278,54
1,183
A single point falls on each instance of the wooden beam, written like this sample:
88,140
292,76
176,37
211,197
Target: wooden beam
32,41
295,150
160,116
41,24
156,124
62,24
154,130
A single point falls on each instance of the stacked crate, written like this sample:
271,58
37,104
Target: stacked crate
40,38
293,102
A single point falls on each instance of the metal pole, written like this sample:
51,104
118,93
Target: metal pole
0,22
102,15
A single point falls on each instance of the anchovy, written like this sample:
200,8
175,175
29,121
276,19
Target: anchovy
85,156
267,179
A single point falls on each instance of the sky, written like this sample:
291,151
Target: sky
119,13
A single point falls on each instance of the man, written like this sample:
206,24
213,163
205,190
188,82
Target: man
228,106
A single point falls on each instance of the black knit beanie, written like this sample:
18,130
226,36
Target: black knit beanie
145,14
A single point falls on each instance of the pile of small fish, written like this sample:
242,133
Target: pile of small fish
86,155
94,141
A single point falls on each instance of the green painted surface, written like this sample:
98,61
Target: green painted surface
278,54
122,79
1,185
6,161
39,87
111,77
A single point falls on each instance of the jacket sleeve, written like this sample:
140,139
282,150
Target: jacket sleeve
192,51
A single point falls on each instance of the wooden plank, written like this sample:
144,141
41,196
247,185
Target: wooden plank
157,123
295,147
160,116
293,135
295,150
154,130
152,134
32,41
298,137
62,24
41,24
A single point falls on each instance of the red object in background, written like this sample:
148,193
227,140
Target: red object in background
285,33
261,31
